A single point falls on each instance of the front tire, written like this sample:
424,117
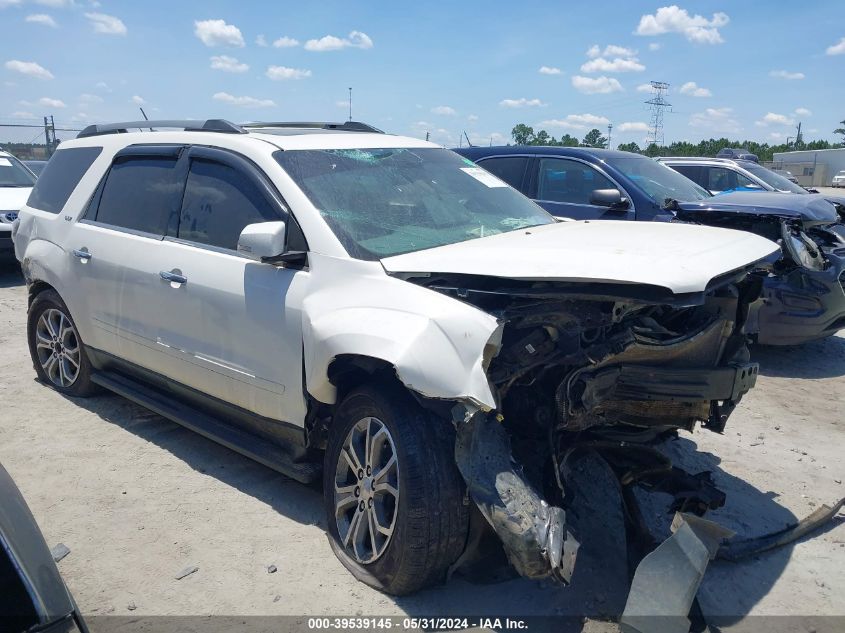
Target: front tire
395,501
57,351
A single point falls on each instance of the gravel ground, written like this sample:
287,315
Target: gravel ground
138,499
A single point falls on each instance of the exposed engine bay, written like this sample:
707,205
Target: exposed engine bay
599,368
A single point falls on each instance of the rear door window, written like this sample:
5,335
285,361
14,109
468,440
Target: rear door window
511,169
562,180
141,193
696,173
219,202
60,177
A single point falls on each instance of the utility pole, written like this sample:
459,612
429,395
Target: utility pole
426,136
658,103
798,138
609,130
350,103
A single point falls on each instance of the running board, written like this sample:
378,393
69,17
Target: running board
247,444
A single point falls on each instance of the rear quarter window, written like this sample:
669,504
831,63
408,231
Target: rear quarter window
60,177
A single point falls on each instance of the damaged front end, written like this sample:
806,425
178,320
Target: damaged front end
803,296
599,367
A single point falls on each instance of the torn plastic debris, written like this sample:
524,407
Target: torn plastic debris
668,578
534,534
736,550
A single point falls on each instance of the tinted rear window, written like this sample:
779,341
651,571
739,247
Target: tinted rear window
511,169
60,177
141,193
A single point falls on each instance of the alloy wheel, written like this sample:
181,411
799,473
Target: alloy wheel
366,490
57,346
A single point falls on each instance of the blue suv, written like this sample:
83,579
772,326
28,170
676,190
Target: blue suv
803,294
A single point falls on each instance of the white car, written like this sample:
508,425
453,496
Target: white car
838,180
16,182
331,299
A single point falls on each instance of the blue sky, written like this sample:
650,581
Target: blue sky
748,70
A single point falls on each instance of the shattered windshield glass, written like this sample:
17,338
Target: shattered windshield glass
657,181
384,202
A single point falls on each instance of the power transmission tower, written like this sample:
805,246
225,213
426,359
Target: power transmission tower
50,135
609,130
658,103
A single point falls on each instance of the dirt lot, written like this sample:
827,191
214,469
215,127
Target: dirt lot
137,499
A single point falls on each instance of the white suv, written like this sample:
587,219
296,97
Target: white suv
15,185
326,298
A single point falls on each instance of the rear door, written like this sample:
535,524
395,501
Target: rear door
564,187
511,169
133,208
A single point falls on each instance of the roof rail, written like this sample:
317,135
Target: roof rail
210,125
346,126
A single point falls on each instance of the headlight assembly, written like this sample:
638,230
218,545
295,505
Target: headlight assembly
803,250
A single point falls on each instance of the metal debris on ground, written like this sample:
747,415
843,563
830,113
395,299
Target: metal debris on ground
187,572
59,552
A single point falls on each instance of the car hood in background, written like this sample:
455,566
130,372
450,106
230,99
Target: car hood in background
681,258
13,198
813,207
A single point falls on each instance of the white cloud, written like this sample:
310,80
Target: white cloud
618,65
57,4
137,100
280,73
549,70
719,120
472,118
260,40
522,102
28,68
644,88
772,118
356,39
785,74
694,90
106,24
611,50
218,33
10,3
596,85
48,102
285,42
836,49
654,46
803,112
246,102
102,85
228,64
577,122
444,110
41,18
633,126
20,114
673,19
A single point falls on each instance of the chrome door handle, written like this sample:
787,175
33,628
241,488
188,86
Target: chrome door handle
82,254
173,277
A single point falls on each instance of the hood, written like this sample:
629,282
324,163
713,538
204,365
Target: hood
13,198
681,258
811,207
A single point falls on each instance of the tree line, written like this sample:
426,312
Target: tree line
525,135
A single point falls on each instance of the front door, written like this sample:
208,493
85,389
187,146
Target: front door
564,188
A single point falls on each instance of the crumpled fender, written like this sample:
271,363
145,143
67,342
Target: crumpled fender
435,343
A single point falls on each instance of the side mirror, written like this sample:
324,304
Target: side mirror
262,241
610,198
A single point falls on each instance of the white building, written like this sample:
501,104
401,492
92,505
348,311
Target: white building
815,167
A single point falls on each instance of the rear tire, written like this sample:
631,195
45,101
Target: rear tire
57,351
406,490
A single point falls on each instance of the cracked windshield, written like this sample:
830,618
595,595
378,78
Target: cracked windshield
383,202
